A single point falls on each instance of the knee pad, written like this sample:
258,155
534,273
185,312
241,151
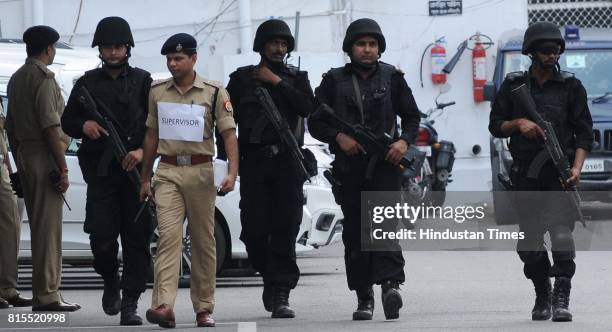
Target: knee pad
562,239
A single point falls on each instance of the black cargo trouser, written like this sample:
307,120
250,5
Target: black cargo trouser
271,207
112,204
540,213
365,268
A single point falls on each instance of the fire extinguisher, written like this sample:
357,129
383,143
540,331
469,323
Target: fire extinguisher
479,77
438,61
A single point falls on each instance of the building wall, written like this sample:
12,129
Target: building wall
406,24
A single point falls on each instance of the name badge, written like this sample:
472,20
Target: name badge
181,122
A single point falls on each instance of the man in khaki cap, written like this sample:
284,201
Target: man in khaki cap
33,126
183,111
9,227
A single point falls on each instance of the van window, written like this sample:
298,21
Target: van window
592,67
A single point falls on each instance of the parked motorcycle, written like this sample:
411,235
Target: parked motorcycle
427,184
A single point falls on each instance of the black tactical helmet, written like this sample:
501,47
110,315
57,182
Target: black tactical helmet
271,29
113,30
540,32
363,27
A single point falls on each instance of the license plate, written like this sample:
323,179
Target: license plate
593,166
426,149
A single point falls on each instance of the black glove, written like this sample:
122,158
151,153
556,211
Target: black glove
16,184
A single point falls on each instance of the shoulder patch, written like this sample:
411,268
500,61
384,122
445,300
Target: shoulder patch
227,105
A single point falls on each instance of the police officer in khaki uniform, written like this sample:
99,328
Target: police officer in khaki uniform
33,126
9,226
183,111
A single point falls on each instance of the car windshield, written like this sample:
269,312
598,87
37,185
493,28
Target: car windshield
592,67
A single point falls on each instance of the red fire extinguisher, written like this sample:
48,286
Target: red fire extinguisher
479,76
438,61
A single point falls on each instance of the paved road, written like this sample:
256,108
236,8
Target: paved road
445,290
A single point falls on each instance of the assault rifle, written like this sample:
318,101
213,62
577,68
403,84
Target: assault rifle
102,116
553,150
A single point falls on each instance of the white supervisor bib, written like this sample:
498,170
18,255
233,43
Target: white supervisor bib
181,122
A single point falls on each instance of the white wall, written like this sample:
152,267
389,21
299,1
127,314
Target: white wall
406,25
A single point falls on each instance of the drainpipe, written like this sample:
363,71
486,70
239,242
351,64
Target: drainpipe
38,10
33,13
27,14
244,22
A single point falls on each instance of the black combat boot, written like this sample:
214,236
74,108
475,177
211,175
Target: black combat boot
391,299
129,304
268,296
365,304
281,308
560,300
541,309
111,299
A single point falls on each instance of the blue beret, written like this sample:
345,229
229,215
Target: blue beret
180,42
40,35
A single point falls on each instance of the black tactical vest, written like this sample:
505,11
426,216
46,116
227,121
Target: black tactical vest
378,114
553,102
122,97
253,125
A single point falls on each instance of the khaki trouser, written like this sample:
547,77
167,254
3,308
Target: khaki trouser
44,207
9,229
185,192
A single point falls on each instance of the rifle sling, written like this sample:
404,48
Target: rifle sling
358,98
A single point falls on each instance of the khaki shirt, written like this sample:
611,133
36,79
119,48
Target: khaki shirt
36,102
201,93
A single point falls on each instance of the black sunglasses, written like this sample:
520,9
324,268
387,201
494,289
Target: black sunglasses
548,50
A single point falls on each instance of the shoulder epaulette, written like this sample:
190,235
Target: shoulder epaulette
160,82
214,84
